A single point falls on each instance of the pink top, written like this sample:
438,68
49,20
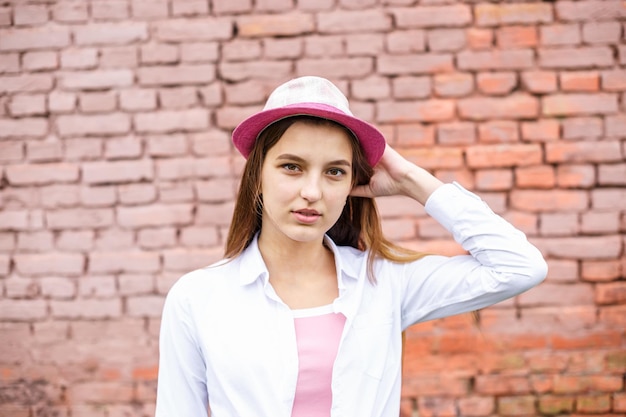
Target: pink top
318,332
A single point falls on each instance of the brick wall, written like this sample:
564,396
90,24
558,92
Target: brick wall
118,176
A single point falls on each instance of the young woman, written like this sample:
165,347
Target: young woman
305,314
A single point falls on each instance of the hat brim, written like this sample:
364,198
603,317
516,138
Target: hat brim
371,139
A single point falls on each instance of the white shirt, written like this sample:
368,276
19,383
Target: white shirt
229,341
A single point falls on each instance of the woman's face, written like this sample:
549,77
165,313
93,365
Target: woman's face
305,180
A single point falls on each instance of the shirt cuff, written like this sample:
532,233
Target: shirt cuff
448,202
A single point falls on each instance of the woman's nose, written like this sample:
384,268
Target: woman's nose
311,189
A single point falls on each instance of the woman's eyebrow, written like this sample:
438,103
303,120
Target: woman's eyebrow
296,158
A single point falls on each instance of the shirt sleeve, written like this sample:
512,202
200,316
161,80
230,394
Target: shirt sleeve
181,385
501,262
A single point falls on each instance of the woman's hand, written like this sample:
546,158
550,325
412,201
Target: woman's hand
394,175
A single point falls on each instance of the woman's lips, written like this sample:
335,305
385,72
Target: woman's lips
306,216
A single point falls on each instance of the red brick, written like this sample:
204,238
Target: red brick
517,36
159,53
119,57
601,32
24,310
589,10
283,48
406,41
554,405
11,151
572,384
199,52
446,39
415,134
511,107
372,20
49,263
412,111
560,319
614,80
575,176
186,30
103,196
39,241
167,145
138,99
70,11
568,294
144,306
476,406
583,151
190,8
501,384
514,59
153,9
97,102
61,102
539,81
432,16
44,37
496,83
9,63
172,120
456,133
619,402
480,38
97,80
117,171
580,81
157,238
238,71
324,46
82,148
110,10
199,236
524,13
79,218
60,195
182,74
581,247
540,176
434,384
178,97
26,83
571,58
190,259
364,44
154,215
582,128
574,104
593,403
272,25
41,173
135,284
436,157
83,58
598,271
608,198
560,34
74,125
371,88
40,61
28,105
241,50
410,87
613,174
30,15
498,132
416,64
231,6
503,155
559,224
601,222
564,200
215,190
453,84
610,293
128,261
541,130
110,33
72,240
523,405
440,406
214,214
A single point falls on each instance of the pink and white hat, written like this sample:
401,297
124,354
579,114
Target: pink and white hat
312,96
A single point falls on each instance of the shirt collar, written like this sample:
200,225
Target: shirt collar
252,267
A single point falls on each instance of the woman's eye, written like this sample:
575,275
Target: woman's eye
291,167
336,172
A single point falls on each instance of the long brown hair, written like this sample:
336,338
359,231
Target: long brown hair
358,225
